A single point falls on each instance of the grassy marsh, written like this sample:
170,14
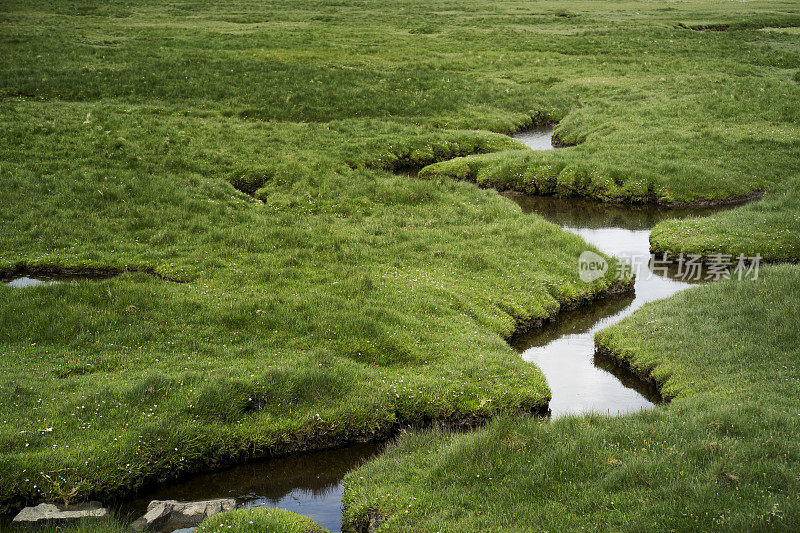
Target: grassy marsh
245,150
722,455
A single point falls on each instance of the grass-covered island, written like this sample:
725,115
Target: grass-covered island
260,521
269,282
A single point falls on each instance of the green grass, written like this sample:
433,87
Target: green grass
242,151
365,278
103,525
260,521
769,228
722,455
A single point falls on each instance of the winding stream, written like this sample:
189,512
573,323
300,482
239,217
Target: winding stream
311,484
581,381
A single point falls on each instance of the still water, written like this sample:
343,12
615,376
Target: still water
537,138
24,281
579,380
309,484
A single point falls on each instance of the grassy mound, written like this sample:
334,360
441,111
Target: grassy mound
338,277
338,304
770,227
260,521
723,454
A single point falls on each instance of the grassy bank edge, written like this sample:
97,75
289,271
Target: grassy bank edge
260,520
767,227
563,181
368,520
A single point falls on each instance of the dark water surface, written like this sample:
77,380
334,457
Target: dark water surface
309,484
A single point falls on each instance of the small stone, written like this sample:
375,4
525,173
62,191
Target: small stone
170,515
59,513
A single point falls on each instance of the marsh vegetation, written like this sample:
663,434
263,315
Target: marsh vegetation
249,151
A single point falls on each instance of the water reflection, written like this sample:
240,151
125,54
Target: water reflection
581,382
590,214
46,277
24,281
537,138
308,484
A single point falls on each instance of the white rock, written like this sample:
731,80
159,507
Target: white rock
56,512
170,515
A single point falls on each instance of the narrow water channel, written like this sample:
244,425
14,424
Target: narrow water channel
22,281
537,138
311,484
579,380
